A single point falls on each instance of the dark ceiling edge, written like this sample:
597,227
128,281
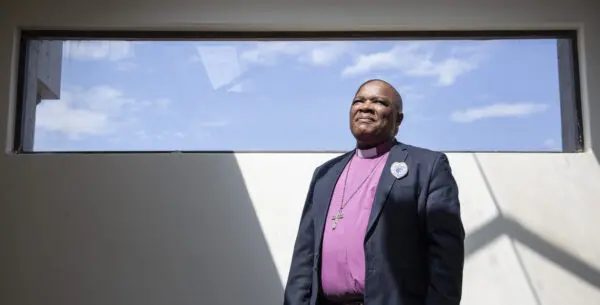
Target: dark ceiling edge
293,35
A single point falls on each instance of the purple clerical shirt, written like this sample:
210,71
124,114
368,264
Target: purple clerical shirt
343,257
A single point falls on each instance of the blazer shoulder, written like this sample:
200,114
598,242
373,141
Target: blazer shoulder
424,155
433,161
324,167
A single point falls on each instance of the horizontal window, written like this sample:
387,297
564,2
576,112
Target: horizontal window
102,93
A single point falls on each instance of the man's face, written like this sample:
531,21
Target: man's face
374,116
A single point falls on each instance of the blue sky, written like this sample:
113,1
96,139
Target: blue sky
499,95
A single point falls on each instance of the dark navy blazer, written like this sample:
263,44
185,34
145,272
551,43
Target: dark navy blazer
414,244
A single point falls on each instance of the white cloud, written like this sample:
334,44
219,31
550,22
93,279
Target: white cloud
80,113
417,59
497,111
98,50
57,116
103,99
325,54
269,52
162,102
314,53
160,136
107,111
225,64
409,93
158,104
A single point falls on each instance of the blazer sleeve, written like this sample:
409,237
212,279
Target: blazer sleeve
299,282
446,236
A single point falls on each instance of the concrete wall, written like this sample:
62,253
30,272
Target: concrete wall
43,79
49,68
219,229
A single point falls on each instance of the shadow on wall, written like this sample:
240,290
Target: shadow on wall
181,229
503,225
596,151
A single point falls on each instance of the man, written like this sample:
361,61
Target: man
381,224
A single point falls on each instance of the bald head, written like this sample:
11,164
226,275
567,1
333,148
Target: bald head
376,113
396,97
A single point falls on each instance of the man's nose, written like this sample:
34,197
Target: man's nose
367,106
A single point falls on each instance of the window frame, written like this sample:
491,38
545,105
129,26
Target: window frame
567,49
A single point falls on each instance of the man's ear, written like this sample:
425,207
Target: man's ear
399,118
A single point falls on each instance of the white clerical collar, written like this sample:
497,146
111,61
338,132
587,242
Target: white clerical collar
367,153
374,151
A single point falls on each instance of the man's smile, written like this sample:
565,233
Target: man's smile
365,119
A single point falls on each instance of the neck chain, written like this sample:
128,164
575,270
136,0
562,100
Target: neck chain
340,214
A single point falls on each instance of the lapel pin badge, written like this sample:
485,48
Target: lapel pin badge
399,169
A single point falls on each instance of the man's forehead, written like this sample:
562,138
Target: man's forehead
367,95
380,90
376,89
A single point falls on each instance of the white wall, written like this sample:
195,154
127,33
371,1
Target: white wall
218,229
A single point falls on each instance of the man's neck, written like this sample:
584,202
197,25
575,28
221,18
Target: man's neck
372,151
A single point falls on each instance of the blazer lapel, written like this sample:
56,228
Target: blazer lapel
324,193
386,181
